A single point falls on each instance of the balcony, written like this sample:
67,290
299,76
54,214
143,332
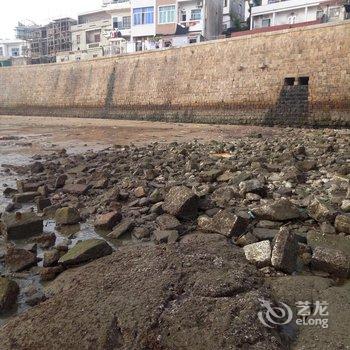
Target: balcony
117,4
275,6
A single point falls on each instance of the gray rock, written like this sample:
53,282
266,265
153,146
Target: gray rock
258,253
228,224
338,242
345,205
330,260
252,186
166,236
125,226
141,232
265,233
67,216
77,189
327,228
42,203
20,225
342,223
17,260
25,197
181,202
9,291
51,258
321,211
279,210
44,241
108,221
168,222
86,251
285,251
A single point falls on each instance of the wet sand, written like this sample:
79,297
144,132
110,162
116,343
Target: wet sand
73,133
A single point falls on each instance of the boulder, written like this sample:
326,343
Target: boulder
108,221
37,167
44,241
345,205
228,224
338,242
141,232
17,259
76,189
25,197
140,192
279,210
166,236
20,225
125,226
258,253
67,216
8,192
42,203
60,181
181,202
253,186
265,233
50,273
28,186
321,211
51,258
168,222
330,260
140,291
342,223
86,251
285,251
9,291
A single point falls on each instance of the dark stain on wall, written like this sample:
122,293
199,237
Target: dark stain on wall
292,106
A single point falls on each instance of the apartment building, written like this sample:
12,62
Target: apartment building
279,12
124,26
46,41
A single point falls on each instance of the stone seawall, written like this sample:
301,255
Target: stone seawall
298,76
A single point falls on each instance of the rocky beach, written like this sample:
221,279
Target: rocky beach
135,235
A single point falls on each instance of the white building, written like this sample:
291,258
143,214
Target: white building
12,48
277,12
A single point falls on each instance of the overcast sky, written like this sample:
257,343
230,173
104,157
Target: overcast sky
39,11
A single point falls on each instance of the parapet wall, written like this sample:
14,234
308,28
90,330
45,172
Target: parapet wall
238,80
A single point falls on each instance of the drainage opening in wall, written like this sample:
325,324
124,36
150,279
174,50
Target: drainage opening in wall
289,81
303,81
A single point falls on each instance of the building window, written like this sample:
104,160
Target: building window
225,3
144,15
266,22
196,15
166,14
126,22
78,39
93,36
15,52
183,16
1,51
